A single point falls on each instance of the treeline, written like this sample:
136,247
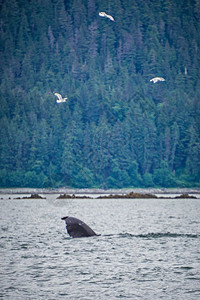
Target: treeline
117,129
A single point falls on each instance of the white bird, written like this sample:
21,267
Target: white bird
103,14
60,98
156,79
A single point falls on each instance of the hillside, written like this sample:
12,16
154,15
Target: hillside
117,129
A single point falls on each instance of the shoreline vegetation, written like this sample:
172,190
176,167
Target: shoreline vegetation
104,194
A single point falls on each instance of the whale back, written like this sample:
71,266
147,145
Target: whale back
77,228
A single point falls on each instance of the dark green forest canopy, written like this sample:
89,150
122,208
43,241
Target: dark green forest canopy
117,129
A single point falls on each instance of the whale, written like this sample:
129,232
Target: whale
77,228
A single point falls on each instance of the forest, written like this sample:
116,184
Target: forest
116,129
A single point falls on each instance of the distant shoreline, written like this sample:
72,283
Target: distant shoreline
99,191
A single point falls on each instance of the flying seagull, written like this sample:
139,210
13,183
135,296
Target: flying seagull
60,98
103,14
156,79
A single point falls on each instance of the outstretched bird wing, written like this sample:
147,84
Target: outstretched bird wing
110,17
156,79
58,95
103,14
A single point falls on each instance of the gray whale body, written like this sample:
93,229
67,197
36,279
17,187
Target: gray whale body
77,228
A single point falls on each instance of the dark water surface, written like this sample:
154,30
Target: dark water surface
148,249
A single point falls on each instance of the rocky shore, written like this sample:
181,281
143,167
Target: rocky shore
71,191
131,195
104,194
33,196
66,196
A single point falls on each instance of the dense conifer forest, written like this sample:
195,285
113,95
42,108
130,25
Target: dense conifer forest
117,129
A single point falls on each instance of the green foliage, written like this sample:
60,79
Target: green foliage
32,179
117,129
163,176
148,180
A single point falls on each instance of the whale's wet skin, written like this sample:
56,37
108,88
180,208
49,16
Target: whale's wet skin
148,249
77,228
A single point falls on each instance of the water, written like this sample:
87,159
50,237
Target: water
148,249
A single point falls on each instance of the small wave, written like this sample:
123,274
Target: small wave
193,292
153,235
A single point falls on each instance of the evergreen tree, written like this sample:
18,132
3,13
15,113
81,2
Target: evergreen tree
117,129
